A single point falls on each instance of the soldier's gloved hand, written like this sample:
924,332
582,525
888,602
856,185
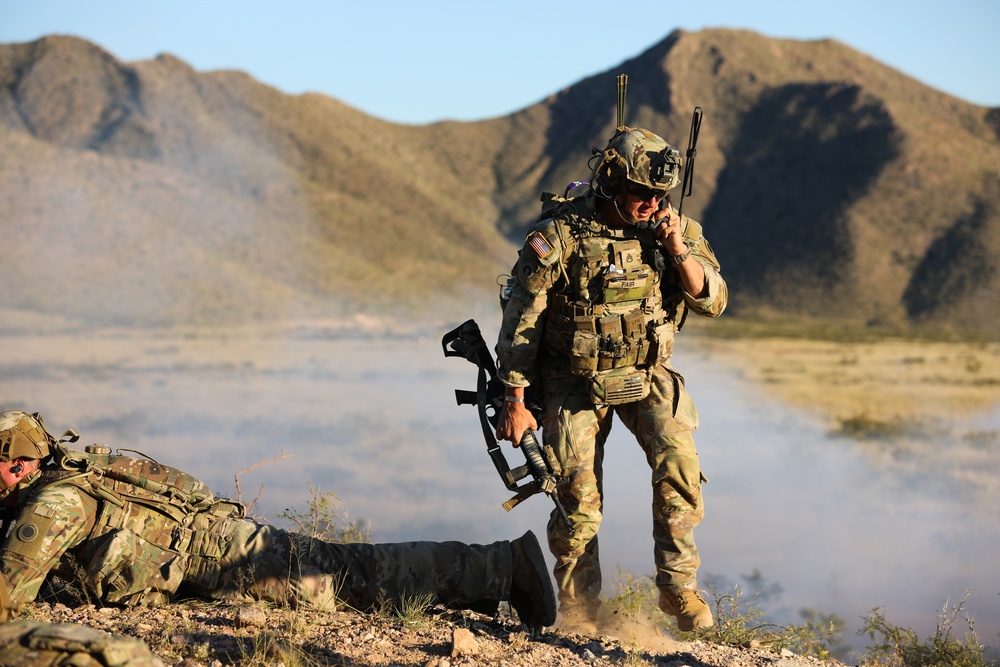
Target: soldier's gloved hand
514,419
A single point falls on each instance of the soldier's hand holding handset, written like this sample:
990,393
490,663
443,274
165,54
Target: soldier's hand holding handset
670,235
667,229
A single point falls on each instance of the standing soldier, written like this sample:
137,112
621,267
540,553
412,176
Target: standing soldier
143,532
603,282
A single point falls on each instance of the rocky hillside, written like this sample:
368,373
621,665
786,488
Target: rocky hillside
149,193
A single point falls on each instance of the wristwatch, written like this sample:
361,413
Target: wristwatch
679,259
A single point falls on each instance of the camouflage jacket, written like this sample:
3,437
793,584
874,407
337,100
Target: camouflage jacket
126,551
588,298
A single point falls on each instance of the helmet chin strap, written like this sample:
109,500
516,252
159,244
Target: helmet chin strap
635,222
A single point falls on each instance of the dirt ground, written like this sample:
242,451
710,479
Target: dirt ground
205,635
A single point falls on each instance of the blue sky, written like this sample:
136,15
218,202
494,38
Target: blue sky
420,62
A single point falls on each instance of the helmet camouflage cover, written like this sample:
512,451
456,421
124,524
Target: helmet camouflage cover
637,156
22,436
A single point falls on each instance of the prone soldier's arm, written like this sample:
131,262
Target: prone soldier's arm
56,520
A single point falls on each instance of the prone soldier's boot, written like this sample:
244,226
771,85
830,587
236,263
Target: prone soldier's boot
531,592
690,610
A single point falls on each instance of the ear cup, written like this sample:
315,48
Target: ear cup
610,174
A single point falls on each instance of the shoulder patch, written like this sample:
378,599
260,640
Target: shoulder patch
692,229
28,537
27,532
540,245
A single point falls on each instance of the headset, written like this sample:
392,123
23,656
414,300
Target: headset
611,172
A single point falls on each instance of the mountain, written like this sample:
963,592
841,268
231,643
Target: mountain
829,184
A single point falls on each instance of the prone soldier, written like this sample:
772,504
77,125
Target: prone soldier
145,532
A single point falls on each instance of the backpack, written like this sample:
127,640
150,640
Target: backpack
143,480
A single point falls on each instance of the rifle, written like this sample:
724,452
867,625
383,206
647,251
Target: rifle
467,341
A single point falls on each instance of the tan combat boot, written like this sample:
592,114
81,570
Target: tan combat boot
531,592
690,610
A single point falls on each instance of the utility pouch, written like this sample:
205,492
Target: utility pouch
610,343
627,255
127,570
610,326
664,334
228,509
208,543
634,325
584,350
615,388
204,572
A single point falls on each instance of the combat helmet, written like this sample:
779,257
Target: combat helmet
23,436
636,156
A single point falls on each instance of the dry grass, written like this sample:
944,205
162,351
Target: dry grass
884,381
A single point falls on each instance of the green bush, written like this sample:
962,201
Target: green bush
739,621
863,427
900,647
322,519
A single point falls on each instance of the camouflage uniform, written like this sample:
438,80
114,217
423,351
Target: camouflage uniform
591,318
130,550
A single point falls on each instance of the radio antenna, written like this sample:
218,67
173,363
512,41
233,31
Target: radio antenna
692,152
622,89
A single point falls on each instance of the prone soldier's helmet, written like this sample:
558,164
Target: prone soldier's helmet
639,157
23,436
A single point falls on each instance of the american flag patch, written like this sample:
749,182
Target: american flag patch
540,245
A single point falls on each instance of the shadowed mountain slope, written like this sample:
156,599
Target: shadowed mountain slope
142,193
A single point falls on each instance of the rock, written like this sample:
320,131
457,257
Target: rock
463,643
253,617
40,644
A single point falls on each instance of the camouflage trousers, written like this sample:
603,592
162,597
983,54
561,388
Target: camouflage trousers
265,563
663,424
